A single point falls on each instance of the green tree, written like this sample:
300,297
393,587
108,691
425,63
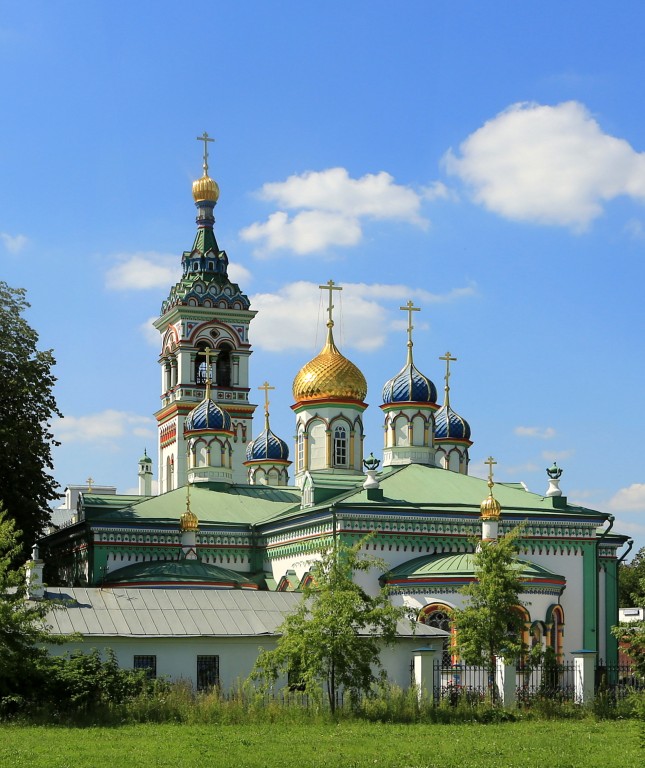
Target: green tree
335,636
22,622
490,621
631,634
26,409
631,581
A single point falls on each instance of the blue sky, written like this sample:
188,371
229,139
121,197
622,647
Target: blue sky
486,161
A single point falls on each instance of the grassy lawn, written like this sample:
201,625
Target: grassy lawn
560,744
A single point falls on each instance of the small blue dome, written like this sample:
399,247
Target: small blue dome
409,385
449,425
267,447
208,416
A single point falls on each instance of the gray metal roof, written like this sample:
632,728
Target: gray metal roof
160,612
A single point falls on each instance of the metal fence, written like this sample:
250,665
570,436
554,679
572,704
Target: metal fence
460,683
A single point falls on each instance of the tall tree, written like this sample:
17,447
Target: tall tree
490,621
631,581
335,636
27,406
22,623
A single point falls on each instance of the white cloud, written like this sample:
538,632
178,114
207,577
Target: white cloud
437,190
13,243
150,333
360,314
557,455
142,271
306,232
330,206
543,433
548,164
239,274
629,499
635,229
104,427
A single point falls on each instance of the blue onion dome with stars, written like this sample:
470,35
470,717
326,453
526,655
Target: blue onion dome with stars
409,385
267,446
450,425
208,416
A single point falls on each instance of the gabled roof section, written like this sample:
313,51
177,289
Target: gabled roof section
123,612
428,488
235,504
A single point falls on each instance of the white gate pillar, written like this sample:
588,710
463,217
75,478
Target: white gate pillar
584,667
506,681
424,663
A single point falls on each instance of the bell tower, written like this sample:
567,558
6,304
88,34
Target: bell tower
204,311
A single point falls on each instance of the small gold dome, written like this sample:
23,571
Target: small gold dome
329,375
490,508
188,521
205,189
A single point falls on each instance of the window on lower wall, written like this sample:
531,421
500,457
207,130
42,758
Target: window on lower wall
149,663
207,672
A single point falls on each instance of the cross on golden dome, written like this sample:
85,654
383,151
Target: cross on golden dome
205,138
330,286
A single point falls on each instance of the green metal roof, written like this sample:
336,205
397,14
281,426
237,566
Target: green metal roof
460,568
236,504
165,572
417,485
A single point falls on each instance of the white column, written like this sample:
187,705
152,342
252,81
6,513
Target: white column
424,664
584,667
506,680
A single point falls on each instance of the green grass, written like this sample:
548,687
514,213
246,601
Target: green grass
561,744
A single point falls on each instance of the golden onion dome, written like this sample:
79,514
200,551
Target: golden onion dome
329,375
490,508
205,189
188,521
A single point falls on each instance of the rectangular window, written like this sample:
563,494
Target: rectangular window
207,672
149,663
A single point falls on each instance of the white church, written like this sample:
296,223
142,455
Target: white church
192,581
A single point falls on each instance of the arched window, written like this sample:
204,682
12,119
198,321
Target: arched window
200,365
301,451
340,446
555,629
439,616
223,366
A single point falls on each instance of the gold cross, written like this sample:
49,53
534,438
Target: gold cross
266,389
410,308
205,138
89,482
331,287
490,461
207,355
449,359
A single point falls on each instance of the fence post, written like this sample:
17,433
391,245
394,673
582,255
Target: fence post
424,664
506,681
583,676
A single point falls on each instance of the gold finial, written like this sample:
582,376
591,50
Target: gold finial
207,355
205,138
266,387
449,359
490,508
410,308
491,463
188,520
89,482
